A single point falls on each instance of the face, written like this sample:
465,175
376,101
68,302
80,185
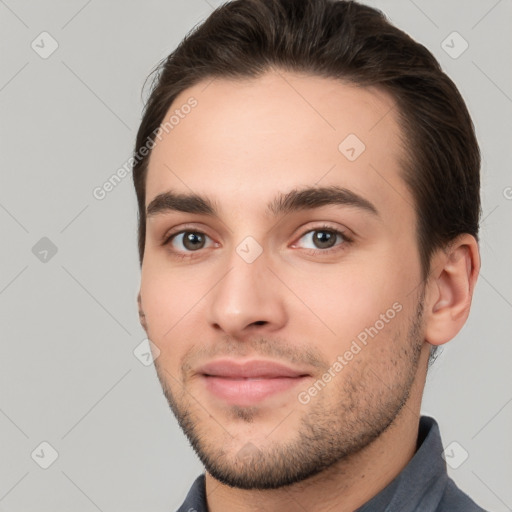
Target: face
305,255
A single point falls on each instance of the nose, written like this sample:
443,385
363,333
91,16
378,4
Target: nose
248,297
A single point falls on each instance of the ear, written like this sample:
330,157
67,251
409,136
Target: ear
142,316
450,287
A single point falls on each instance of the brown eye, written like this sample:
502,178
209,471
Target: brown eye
186,242
193,240
324,238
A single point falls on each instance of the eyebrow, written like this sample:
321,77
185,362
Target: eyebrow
284,203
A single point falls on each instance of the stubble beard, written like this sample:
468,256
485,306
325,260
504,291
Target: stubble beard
328,433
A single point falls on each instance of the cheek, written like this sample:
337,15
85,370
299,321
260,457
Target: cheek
168,295
361,300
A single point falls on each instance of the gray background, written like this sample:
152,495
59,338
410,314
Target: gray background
69,323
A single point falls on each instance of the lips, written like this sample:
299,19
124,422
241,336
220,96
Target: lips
250,370
250,382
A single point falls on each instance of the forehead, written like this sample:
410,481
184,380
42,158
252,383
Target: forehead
244,139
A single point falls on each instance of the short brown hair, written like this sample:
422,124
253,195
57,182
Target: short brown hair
345,40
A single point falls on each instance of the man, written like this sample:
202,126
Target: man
308,189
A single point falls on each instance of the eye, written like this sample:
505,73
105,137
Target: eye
324,238
186,241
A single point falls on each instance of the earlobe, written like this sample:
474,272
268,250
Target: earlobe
450,289
142,316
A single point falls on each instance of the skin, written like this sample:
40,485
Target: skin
255,138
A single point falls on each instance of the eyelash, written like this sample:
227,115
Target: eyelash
346,240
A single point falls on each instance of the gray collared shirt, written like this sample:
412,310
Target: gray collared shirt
423,485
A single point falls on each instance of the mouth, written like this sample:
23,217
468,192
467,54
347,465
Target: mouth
245,391
248,382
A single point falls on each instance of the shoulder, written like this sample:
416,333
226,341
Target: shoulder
455,500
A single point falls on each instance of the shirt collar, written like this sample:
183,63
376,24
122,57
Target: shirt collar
421,482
